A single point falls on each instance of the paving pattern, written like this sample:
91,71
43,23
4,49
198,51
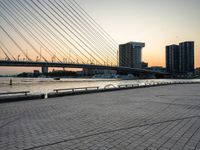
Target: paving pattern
156,118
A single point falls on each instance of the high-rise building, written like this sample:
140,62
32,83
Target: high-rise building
130,54
180,58
186,57
172,58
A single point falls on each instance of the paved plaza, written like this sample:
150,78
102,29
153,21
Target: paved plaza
165,117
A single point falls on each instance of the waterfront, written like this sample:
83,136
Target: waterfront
45,85
162,118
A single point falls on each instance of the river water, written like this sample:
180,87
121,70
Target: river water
46,85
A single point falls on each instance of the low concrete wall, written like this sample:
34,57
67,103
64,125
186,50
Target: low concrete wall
15,98
69,93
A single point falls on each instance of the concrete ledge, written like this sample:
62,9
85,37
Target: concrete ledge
70,93
15,98
62,94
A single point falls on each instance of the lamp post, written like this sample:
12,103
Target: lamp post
18,57
26,54
107,60
40,53
37,59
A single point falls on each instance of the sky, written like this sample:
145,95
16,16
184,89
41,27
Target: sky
157,23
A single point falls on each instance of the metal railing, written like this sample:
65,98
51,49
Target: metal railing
76,89
128,85
15,93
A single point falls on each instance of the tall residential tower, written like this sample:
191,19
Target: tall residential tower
130,54
180,58
186,57
172,58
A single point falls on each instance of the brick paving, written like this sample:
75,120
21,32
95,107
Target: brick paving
156,118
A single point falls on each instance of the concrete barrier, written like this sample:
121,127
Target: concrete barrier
19,96
68,93
24,95
89,90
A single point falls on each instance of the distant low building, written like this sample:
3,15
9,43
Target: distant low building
144,65
25,74
36,73
157,68
98,71
197,71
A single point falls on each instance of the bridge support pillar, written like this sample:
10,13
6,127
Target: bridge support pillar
44,70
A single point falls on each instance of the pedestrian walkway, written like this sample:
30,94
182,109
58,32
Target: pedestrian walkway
165,117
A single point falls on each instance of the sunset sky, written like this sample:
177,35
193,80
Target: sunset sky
157,23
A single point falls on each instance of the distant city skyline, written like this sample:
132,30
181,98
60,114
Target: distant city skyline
156,23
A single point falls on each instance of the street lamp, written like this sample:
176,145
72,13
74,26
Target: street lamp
26,55
37,59
40,53
18,57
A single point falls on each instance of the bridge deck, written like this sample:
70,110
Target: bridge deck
152,118
68,65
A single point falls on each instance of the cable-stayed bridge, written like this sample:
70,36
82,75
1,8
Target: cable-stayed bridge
55,33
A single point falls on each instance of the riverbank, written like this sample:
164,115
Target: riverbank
155,118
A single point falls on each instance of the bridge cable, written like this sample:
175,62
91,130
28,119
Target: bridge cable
7,50
75,34
29,31
103,33
21,35
62,28
15,42
8,58
45,27
56,29
90,27
26,30
93,22
89,40
33,24
84,15
88,32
